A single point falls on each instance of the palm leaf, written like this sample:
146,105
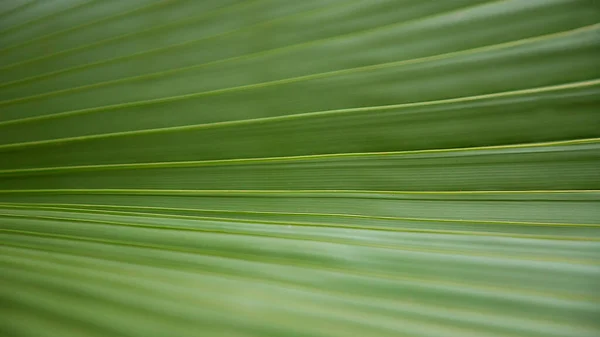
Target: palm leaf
299,168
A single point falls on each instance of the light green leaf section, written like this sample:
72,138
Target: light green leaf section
323,168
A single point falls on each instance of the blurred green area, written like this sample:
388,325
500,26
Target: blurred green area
299,168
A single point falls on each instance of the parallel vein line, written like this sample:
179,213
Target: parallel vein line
218,62
96,209
119,264
46,17
290,80
111,191
214,12
314,238
17,8
211,63
469,151
144,53
161,3
306,115
421,309
471,287
89,65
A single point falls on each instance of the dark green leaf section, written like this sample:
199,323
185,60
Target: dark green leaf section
491,168
548,114
323,168
542,207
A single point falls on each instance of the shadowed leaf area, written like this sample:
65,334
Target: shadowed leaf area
313,168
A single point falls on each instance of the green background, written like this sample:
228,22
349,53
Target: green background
299,168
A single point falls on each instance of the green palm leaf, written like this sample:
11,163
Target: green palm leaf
299,168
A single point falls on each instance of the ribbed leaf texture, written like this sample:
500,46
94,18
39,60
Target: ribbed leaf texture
314,168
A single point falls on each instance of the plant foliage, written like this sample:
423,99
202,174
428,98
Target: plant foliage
318,168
